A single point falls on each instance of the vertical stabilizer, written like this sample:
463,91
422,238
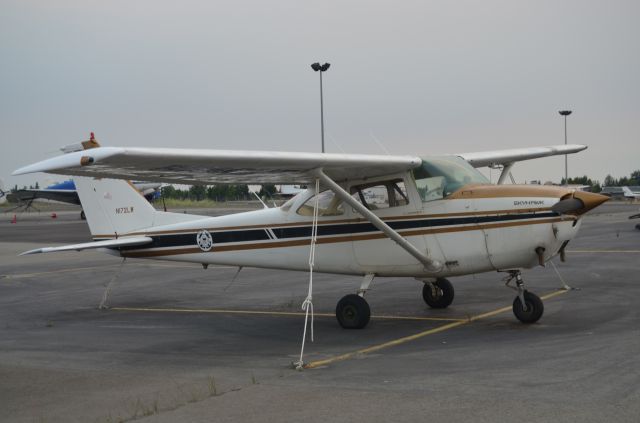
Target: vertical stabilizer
113,207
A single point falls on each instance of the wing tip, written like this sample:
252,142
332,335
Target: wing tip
36,251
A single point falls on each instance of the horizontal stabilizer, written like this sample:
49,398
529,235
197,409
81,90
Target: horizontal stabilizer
109,243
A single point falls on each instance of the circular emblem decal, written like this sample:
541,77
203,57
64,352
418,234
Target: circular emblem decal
204,239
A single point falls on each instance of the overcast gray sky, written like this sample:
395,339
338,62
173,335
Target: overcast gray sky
422,77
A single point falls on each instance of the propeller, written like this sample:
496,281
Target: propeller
568,205
578,202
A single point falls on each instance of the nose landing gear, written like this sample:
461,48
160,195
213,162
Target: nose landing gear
527,306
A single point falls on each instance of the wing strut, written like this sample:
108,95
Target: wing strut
506,170
430,265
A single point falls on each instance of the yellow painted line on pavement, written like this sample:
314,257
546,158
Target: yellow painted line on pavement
603,251
106,266
49,272
273,313
404,340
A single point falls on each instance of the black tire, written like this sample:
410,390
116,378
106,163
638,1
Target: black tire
443,296
535,308
82,215
353,312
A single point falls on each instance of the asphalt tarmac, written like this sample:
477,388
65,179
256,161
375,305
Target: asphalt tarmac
180,343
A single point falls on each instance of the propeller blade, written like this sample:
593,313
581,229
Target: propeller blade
567,206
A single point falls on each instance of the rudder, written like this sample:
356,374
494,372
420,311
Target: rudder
113,207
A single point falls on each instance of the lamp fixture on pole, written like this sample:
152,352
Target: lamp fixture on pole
317,67
565,113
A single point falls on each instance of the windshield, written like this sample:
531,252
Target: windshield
438,177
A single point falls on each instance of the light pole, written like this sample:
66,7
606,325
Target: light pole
317,67
565,113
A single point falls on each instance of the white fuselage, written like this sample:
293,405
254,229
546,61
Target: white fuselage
468,235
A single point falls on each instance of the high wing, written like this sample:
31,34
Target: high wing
110,243
62,195
507,157
189,166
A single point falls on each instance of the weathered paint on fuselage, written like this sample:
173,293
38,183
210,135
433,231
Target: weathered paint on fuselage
470,232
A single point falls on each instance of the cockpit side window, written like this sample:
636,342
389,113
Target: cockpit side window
439,177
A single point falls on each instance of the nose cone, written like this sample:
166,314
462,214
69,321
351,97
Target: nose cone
589,200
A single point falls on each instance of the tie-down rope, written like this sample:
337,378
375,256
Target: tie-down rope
307,304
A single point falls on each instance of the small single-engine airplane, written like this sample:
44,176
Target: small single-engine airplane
65,192
428,218
3,193
632,195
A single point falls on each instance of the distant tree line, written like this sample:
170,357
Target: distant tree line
219,193
15,187
633,179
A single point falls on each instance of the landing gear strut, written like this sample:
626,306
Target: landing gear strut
527,306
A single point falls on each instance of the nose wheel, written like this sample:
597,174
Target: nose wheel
527,306
534,308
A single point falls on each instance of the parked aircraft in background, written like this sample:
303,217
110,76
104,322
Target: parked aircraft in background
630,194
65,192
428,218
3,193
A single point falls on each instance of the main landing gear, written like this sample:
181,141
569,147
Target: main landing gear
438,294
353,311
527,306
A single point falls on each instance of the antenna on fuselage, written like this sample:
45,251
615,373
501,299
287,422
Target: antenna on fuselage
259,199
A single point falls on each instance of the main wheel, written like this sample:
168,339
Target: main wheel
534,311
82,215
441,296
353,312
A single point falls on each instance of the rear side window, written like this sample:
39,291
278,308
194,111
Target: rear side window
381,195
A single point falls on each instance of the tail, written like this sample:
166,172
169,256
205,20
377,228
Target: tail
627,192
115,207
3,193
